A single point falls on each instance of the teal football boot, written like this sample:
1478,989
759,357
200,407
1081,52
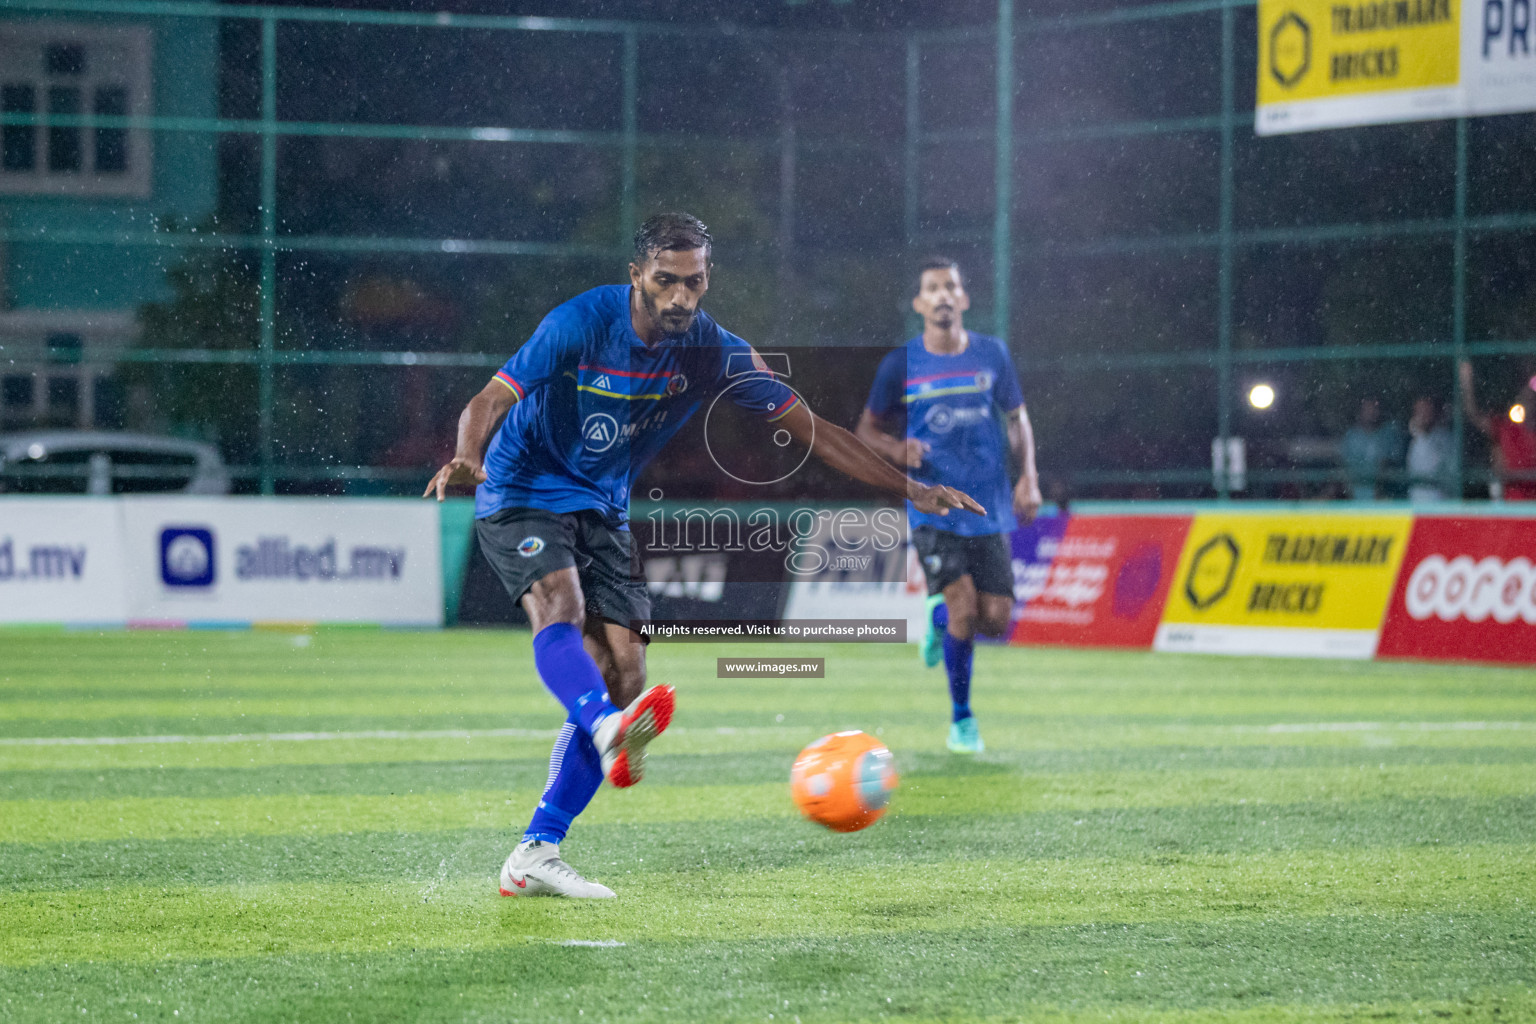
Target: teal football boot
933,640
965,738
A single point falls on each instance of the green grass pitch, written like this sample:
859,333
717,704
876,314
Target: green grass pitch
315,832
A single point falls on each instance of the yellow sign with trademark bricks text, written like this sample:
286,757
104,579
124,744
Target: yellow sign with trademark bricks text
1284,583
1332,63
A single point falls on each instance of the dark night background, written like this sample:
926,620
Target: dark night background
1105,262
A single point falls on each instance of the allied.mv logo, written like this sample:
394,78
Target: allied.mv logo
599,431
186,556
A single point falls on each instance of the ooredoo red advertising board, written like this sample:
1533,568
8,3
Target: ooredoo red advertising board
1466,591
1107,583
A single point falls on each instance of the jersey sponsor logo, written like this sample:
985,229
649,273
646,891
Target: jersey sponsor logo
530,546
1461,588
599,431
943,418
939,418
602,381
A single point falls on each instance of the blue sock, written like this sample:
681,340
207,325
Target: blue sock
571,675
941,616
957,662
575,773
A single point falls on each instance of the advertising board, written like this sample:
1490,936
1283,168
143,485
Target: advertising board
1104,584
891,588
1498,56
1287,584
1032,548
1325,64
1467,591
60,562
219,561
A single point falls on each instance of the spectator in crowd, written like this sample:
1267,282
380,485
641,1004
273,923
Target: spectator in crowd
1513,436
1429,453
1371,450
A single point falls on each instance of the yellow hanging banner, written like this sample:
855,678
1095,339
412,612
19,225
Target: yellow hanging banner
1329,64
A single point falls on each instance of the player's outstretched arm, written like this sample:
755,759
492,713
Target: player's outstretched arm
907,452
847,454
479,420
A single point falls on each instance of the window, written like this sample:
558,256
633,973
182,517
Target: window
63,400
16,393
62,78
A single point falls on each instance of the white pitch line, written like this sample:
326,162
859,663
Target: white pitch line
1302,727
277,737
314,737
597,943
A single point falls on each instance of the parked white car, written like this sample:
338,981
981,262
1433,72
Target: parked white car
108,462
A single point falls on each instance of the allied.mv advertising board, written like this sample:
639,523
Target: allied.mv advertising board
60,562
215,561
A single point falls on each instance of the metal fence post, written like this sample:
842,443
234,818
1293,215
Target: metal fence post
1459,311
1002,219
631,122
268,322
911,158
1224,269
911,145
788,155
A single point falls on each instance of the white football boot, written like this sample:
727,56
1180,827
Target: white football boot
535,869
621,738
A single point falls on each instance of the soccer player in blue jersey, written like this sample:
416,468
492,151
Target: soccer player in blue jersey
947,407
553,444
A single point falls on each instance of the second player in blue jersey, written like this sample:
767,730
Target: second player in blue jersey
947,407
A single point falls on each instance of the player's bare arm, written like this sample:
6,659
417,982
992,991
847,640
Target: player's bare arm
847,454
479,420
908,452
1021,446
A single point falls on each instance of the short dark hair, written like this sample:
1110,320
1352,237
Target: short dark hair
671,231
938,263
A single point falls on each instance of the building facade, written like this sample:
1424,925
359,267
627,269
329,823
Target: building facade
71,184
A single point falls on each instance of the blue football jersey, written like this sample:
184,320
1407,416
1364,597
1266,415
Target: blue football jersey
595,404
956,405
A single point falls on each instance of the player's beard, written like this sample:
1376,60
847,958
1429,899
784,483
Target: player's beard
673,324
